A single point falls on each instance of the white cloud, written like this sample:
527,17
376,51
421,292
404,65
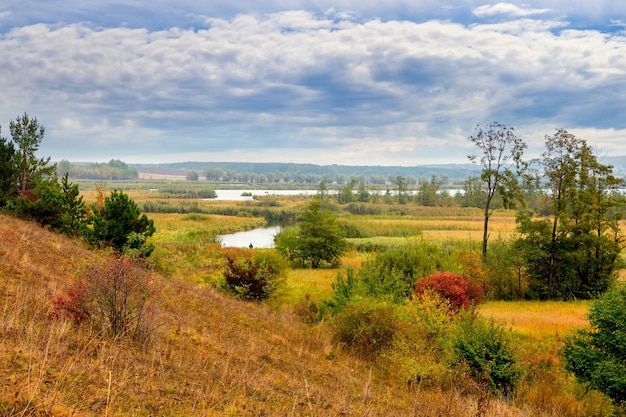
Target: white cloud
509,9
296,84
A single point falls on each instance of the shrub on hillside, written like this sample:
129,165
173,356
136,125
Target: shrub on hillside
421,352
54,204
456,288
366,327
254,277
487,351
113,297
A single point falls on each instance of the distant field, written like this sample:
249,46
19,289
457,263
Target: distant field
151,176
539,319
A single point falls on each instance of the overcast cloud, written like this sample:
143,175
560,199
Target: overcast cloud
342,82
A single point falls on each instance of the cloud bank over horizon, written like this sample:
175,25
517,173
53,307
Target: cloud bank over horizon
319,82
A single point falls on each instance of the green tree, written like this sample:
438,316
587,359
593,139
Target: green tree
120,224
57,205
346,193
363,196
501,152
74,210
473,193
428,194
8,170
192,176
318,238
27,134
403,195
575,253
597,356
322,191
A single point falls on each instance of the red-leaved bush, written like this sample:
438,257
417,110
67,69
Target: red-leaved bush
72,303
112,296
456,288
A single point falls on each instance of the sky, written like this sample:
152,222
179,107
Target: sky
352,82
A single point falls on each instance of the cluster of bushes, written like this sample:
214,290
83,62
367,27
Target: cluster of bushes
400,310
178,207
430,341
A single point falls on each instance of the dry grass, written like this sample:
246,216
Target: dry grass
211,355
539,319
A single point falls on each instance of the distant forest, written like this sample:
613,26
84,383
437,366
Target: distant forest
311,173
253,172
112,170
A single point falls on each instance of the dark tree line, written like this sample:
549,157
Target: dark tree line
112,170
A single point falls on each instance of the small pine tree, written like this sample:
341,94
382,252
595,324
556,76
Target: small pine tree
120,224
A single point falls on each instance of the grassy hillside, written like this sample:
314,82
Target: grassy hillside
210,355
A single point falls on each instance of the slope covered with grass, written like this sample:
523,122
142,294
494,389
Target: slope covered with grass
208,355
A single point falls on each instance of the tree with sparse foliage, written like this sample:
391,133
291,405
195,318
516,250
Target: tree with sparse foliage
501,152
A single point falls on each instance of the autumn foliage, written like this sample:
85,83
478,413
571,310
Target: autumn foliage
456,288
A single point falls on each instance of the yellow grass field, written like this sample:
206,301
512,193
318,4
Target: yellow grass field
538,319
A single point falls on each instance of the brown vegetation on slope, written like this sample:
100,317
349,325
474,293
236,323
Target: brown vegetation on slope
210,354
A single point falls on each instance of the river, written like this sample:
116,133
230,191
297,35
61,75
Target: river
236,195
262,237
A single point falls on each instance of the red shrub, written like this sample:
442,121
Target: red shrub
461,292
72,304
112,296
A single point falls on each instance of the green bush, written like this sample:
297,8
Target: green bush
394,271
366,327
256,277
56,205
344,290
597,356
487,350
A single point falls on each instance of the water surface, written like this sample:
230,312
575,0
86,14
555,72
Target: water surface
262,237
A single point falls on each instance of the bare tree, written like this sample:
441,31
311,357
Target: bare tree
500,155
